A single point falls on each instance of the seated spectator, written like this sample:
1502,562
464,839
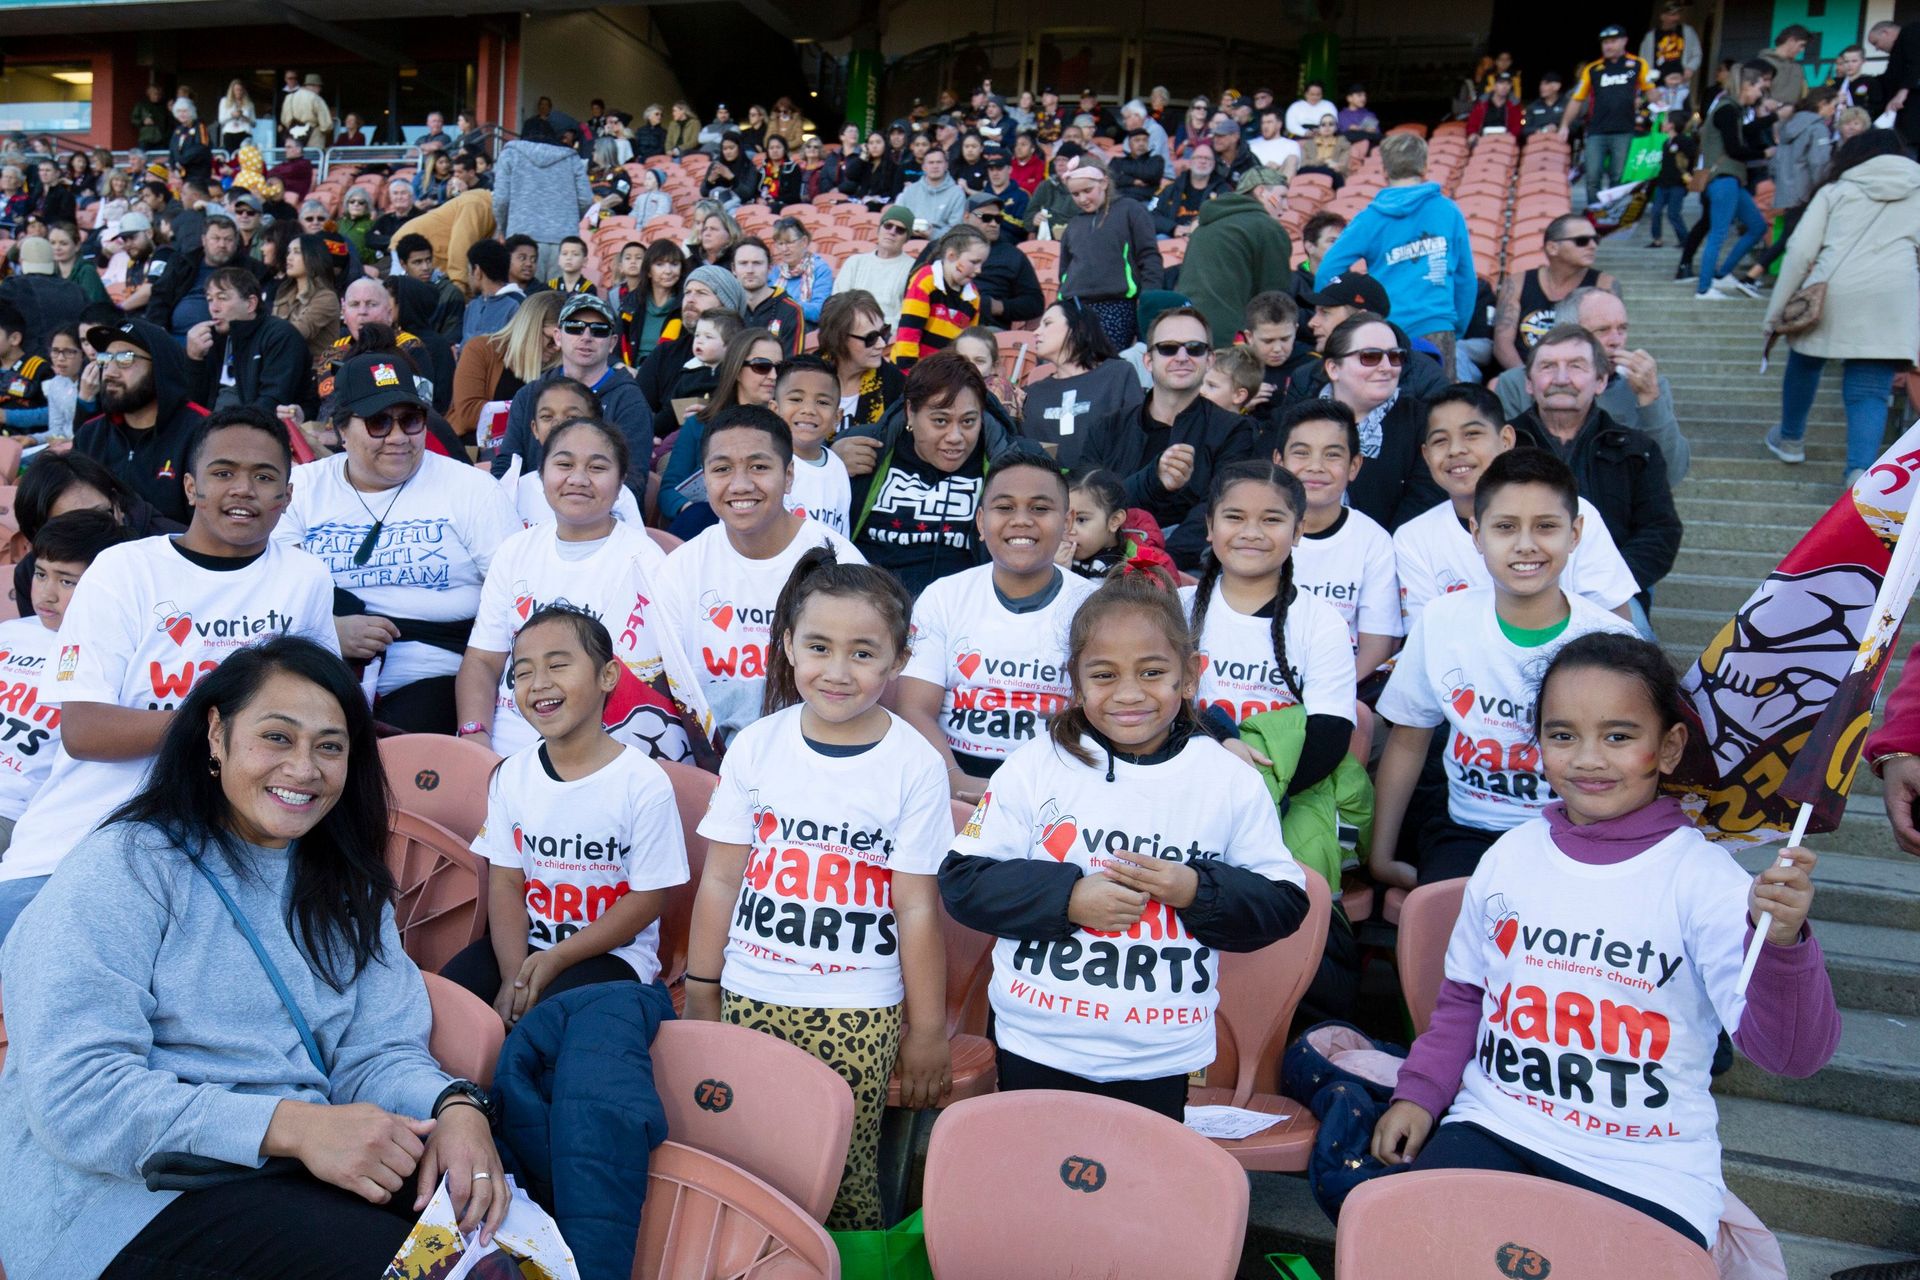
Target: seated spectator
854,336
368,304
1497,112
1620,470
1274,149
611,184
747,368
523,262
646,294
1136,175
294,172
1009,286
871,177
1303,117
496,296
1089,395
665,375
1546,113
1177,211
1355,122
306,296
179,298
647,198
147,414
71,265
583,333
494,366
1231,155
1135,115
714,131
1529,300
683,130
882,273
1238,249
355,220
941,298
1363,359
776,176
969,166
731,179
767,304
572,263
649,139
1325,151
242,357
158,895
715,235
430,183
937,202
400,210
1051,206
802,275
1271,326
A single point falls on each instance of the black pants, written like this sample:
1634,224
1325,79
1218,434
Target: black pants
425,706
291,1227
1449,850
478,970
1698,235
1166,1094
1468,1146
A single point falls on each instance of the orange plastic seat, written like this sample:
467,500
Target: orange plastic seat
758,1102
1473,1223
440,889
662,539
467,1033
692,789
1045,1183
442,779
1427,915
1259,991
706,1219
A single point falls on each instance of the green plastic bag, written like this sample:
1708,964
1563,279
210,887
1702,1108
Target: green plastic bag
898,1254
1643,158
1293,1266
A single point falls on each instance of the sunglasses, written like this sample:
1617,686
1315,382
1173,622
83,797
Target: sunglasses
761,366
1370,357
874,338
1583,241
411,421
590,328
1168,350
124,359
987,217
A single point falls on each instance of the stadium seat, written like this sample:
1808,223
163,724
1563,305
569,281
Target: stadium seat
758,1102
442,779
662,539
1259,991
707,1219
1045,1183
1420,951
440,889
467,1033
1475,1223
692,789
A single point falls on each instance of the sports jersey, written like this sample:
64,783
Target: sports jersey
822,490
584,845
718,605
29,728
1605,991
1610,88
23,384
813,924
1238,673
1350,566
144,625
438,533
1459,669
1004,673
614,581
1434,555
1138,1005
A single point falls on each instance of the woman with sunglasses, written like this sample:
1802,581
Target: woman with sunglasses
1529,303
1108,252
1325,151
1364,360
356,219
853,341
747,374
819,172
408,536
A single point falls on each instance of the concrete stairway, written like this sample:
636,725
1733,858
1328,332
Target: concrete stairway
1832,1163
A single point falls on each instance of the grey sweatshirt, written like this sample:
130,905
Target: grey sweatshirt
141,1022
940,207
540,190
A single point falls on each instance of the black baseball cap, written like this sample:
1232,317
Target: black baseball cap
997,158
370,383
981,200
1352,289
102,336
1612,32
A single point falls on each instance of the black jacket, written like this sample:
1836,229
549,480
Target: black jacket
1180,204
1009,277
663,371
620,404
1136,177
1133,451
1395,485
150,462
649,140
870,180
175,279
271,365
1622,472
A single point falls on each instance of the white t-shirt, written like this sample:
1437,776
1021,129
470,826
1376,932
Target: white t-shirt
1098,1005
530,500
719,605
1459,668
1238,673
29,728
615,584
813,924
438,533
1274,152
1434,554
584,845
1303,117
1352,569
822,490
143,626
1605,991
1005,673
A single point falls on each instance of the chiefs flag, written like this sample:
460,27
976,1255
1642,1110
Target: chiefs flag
1780,700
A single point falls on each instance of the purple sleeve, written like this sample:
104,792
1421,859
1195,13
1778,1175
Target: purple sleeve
1791,1026
1430,1077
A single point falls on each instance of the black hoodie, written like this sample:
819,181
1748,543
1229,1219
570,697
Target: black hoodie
1132,450
271,365
150,462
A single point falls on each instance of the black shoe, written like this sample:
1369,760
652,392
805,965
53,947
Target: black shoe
1684,270
1656,244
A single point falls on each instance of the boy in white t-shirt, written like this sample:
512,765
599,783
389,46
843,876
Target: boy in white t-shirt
1343,555
718,589
150,618
1471,663
807,395
1434,552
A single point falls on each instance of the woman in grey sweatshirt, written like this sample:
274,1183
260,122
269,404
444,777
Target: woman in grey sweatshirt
143,1025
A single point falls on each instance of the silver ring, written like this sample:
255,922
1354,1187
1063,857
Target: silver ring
479,1176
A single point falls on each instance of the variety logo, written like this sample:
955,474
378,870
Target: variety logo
523,601
719,612
1057,833
967,658
174,621
1503,926
1459,692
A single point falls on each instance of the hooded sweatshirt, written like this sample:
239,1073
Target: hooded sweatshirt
941,205
540,190
1415,244
1799,159
150,462
1237,250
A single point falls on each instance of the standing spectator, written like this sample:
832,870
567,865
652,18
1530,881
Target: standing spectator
1546,112
882,273
1009,287
683,131
1355,122
1679,152
1728,143
1238,249
540,189
1863,224
304,116
1673,41
1304,115
1607,93
1415,244
1108,254
496,297
1899,84
236,117
149,120
937,202
1799,162
1789,78
1528,301
189,153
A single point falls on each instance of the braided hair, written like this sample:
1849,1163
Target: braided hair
1295,496
819,572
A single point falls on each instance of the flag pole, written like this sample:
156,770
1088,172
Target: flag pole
1800,822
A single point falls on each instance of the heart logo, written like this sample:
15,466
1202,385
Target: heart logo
522,600
968,663
1463,699
767,823
519,839
177,625
1505,932
1203,663
721,616
1057,838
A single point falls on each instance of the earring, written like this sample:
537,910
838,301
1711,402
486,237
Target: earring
213,766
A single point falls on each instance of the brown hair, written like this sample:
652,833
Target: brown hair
818,573
1240,367
937,381
726,387
1147,591
838,315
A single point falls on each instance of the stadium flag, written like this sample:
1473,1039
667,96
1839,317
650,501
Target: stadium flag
1780,701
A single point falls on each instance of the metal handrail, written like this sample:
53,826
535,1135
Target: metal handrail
381,153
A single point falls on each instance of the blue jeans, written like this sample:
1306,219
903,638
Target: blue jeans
1606,157
14,897
1730,202
1864,388
1668,201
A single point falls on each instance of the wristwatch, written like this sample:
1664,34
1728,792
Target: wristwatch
470,728
466,1091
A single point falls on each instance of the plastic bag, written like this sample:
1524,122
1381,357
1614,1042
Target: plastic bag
527,1243
896,1254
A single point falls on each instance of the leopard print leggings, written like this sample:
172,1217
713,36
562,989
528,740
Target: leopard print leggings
862,1045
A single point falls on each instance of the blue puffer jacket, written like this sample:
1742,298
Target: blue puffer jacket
579,1114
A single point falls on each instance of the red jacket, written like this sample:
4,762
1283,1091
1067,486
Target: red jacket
1477,122
1900,727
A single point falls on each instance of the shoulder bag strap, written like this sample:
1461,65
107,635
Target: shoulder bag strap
1857,241
266,962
